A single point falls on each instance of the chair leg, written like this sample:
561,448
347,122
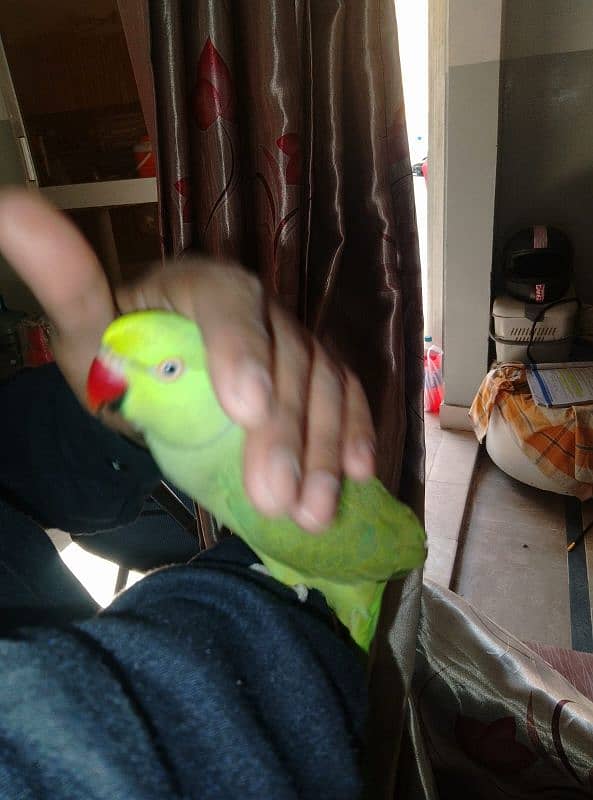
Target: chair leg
169,502
210,532
200,523
123,573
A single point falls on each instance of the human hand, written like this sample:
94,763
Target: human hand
307,421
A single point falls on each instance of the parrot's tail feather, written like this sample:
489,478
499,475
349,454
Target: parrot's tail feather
363,621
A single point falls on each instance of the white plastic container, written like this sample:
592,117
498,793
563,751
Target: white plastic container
553,335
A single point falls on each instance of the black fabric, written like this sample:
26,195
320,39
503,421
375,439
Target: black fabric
152,540
60,468
60,465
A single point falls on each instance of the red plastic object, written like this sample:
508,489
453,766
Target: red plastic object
433,379
144,157
36,349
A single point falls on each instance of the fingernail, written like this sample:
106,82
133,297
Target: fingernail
285,477
361,460
364,453
319,501
253,390
365,450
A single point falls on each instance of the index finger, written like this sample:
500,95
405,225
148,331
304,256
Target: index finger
55,261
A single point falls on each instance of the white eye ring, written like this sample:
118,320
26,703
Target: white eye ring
170,369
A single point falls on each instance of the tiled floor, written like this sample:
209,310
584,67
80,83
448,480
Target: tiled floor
513,560
497,542
97,575
450,459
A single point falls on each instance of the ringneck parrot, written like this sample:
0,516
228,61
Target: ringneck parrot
152,367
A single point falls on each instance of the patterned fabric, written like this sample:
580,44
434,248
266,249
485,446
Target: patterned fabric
497,720
558,440
576,667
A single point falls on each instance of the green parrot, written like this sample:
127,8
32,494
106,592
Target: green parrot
152,368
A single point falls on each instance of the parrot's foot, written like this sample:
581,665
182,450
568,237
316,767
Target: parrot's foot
261,568
301,592
299,589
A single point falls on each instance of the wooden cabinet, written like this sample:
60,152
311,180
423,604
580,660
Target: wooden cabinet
69,88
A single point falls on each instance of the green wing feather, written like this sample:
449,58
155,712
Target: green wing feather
373,537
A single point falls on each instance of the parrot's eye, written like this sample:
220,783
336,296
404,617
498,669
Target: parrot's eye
171,369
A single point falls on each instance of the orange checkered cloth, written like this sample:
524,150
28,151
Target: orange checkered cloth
558,440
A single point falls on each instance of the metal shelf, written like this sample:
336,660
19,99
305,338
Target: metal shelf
101,194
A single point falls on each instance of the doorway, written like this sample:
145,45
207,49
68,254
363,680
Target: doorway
412,24
423,45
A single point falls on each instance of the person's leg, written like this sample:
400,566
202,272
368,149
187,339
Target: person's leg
208,681
250,692
35,584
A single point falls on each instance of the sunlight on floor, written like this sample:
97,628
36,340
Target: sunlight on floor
96,574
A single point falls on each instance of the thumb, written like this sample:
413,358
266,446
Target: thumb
52,257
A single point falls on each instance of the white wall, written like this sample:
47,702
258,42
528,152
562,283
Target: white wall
471,134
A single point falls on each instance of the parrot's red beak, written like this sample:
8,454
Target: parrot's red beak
104,386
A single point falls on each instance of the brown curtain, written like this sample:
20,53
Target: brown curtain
280,131
282,145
